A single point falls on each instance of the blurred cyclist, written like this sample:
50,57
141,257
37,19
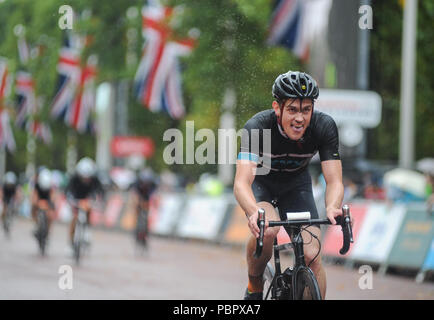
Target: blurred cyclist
82,186
142,190
143,187
42,197
9,192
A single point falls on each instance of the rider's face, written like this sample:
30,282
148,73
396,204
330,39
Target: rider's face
296,116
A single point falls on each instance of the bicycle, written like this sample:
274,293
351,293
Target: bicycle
142,229
81,236
297,282
42,227
7,218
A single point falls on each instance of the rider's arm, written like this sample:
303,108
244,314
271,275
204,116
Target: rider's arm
243,192
332,171
245,174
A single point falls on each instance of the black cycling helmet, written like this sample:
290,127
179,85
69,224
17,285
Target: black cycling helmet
146,176
294,85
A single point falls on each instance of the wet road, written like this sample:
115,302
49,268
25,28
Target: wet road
173,269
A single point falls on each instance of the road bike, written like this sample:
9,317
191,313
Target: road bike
142,229
7,217
41,233
297,282
81,236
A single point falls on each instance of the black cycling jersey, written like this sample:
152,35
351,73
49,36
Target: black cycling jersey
80,190
144,189
288,180
42,194
9,192
289,157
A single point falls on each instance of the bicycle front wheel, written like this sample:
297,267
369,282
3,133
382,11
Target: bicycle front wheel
42,231
7,221
77,242
306,286
268,281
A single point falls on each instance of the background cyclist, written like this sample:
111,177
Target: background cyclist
144,185
142,189
9,192
42,196
297,134
82,186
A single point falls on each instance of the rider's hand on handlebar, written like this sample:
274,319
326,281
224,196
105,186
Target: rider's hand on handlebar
332,213
253,224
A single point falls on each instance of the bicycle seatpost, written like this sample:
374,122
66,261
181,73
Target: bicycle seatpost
260,239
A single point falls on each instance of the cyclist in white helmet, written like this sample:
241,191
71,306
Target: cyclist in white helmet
83,185
42,197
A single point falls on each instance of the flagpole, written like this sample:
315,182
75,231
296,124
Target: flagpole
225,150
31,149
2,161
71,151
362,78
104,117
227,118
406,136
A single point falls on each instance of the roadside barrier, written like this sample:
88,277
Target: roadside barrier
386,235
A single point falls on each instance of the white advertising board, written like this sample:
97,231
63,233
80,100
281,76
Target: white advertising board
380,228
169,210
351,106
203,217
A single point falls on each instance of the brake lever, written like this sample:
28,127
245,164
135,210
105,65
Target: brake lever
260,239
347,216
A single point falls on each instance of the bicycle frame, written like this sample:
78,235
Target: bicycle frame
299,264
8,215
79,233
295,228
42,231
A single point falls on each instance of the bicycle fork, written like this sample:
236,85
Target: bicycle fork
282,281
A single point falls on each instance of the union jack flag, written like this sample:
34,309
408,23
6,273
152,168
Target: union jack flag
287,27
6,136
158,78
26,99
40,130
75,98
4,81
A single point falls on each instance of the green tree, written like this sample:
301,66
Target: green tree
386,48
230,53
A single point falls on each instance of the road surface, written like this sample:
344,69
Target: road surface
172,270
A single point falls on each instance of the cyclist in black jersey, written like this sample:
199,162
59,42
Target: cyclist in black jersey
290,134
9,191
42,197
82,186
143,188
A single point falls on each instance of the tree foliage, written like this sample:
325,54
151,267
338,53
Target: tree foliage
230,53
386,48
